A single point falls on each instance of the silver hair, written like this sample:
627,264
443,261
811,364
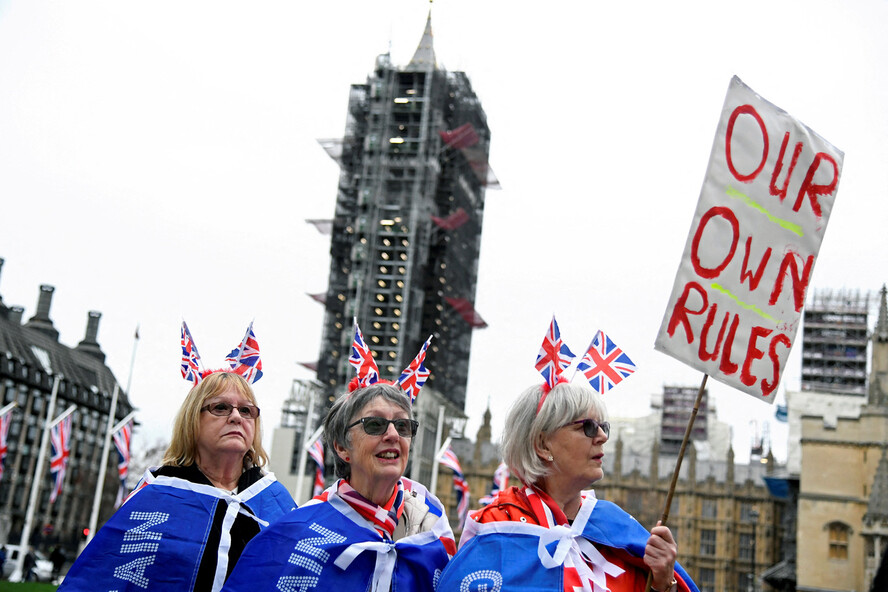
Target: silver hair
342,414
525,427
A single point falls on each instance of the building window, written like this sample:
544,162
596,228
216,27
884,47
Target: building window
706,579
838,540
709,508
707,543
748,513
745,552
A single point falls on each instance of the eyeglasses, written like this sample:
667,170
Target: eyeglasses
590,427
223,409
377,426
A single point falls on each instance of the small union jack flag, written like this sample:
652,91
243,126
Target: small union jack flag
362,360
190,357
316,452
415,375
554,357
450,460
122,439
5,421
500,482
244,359
604,365
60,438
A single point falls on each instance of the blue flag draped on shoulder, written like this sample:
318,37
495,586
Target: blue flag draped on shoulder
157,539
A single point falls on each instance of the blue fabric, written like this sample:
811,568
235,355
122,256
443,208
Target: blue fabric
156,540
509,561
297,553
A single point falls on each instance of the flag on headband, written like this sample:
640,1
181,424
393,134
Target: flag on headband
554,356
122,442
244,359
604,365
316,452
500,482
415,375
362,360
60,438
5,421
450,461
190,357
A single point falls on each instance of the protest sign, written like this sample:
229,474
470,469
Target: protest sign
769,189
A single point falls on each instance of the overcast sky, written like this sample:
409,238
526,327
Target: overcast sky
158,161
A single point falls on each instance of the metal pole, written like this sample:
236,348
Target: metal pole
16,575
434,484
303,452
103,467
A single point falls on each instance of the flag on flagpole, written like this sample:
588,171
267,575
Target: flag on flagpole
604,365
316,451
554,357
415,375
190,357
122,442
5,421
244,359
500,482
450,460
60,438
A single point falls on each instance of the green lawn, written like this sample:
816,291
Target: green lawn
25,587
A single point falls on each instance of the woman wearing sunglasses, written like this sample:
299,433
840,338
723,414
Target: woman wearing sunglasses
551,534
373,529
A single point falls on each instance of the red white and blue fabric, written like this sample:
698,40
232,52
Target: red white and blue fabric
383,518
156,540
500,482
122,439
415,375
554,357
316,452
450,460
326,544
362,360
605,365
5,422
60,438
244,359
554,556
190,358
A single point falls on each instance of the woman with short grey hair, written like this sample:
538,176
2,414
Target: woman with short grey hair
373,529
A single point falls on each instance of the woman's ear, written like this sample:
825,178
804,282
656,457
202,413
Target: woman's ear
541,447
341,452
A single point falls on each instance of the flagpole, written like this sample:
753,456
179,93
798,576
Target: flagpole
6,409
129,380
103,466
16,575
438,432
303,452
684,443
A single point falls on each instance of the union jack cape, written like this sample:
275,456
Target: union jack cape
122,443
326,544
158,539
526,557
60,438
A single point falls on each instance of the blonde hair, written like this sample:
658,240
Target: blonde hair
525,426
183,446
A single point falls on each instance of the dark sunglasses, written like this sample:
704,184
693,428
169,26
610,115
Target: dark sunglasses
223,409
377,426
590,427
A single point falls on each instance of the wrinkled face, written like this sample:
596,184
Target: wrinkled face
220,435
376,462
576,458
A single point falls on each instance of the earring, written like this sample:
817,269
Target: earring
551,458
347,459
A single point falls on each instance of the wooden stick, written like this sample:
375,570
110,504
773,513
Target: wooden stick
684,443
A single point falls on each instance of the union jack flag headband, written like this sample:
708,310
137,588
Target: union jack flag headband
604,364
243,360
411,379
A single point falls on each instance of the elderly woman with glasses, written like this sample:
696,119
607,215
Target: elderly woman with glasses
552,534
373,529
187,522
